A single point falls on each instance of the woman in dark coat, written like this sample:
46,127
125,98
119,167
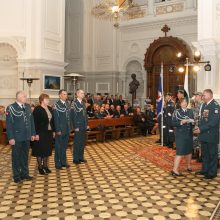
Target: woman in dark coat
44,125
183,120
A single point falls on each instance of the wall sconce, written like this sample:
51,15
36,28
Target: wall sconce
196,68
197,56
181,69
208,67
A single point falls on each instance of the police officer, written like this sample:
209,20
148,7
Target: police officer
80,125
20,131
180,97
62,128
208,131
169,108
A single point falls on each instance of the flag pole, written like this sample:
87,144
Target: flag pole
162,104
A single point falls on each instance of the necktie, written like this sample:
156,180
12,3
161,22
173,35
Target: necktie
23,108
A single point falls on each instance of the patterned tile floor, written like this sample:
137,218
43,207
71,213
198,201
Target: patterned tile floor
114,184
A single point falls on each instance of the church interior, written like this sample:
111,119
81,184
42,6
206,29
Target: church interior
98,46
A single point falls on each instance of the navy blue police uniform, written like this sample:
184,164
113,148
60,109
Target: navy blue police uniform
209,137
20,127
183,132
79,121
62,125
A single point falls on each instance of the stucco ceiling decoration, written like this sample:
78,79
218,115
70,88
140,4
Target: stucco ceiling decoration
117,10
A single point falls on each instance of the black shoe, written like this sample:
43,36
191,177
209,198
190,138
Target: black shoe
27,178
176,174
17,180
200,173
83,161
58,168
209,177
189,170
76,162
46,170
41,171
67,165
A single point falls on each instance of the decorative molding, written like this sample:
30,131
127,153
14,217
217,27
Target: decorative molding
103,61
53,45
102,87
164,9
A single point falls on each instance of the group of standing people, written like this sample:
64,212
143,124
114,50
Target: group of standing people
42,126
205,126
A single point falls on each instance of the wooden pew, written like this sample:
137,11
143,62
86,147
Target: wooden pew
3,135
112,126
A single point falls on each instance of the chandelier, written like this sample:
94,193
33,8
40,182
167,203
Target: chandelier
117,10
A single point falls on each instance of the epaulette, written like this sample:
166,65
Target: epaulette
216,103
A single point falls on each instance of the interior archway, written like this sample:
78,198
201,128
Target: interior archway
164,50
8,72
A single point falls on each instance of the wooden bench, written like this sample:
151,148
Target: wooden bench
111,126
3,135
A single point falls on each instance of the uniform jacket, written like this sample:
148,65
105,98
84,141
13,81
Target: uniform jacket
179,115
61,113
209,122
79,117
19,123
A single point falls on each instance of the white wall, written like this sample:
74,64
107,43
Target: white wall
36,31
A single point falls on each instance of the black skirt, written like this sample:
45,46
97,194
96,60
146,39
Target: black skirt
43,147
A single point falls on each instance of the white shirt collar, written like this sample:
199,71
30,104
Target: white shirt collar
62,101
80,101
209,102
20,104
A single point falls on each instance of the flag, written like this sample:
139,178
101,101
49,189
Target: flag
160,93
186,84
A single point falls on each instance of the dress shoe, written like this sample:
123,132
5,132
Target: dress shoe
17,180
27,178
67,165
76,162
209,177
189,170
200,173
176,174
83,161
41,171
46,170
58,168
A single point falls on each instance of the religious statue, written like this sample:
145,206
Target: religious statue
133,86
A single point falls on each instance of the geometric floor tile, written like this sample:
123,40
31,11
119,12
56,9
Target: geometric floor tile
114,184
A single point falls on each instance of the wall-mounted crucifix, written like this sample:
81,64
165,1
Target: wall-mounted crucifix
165,29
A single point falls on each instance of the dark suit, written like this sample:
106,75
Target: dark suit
168,130
20,127
61,114
209,137
79,121
43,147
127,112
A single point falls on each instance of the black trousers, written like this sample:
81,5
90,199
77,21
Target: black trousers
20,159
209,158
79,145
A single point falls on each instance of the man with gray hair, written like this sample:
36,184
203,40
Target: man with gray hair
20,130
208,131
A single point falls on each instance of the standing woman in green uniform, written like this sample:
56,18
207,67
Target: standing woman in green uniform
183,121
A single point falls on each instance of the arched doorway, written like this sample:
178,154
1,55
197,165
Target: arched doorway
8,73
165,50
